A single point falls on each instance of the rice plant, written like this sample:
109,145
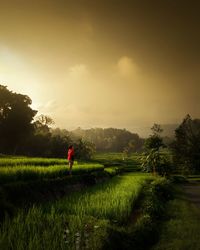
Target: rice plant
79,221
18,161
113,200
27,173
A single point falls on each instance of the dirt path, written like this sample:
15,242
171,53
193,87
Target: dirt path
192,191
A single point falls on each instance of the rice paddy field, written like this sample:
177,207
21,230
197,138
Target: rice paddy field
124,210
26,173
26,169
23,161
79,219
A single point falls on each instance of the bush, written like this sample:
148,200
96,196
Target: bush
153,206
157,163
156,196
163,189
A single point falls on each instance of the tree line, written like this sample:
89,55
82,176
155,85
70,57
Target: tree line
184,149
24,133
106,139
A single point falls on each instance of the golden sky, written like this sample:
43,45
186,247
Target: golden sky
100,63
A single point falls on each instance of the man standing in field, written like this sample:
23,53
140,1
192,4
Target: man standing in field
70,158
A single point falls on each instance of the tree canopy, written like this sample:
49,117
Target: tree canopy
111,139
153,160
23,133
16,118
186,146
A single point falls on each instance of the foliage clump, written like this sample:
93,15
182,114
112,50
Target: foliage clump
186,147
153,160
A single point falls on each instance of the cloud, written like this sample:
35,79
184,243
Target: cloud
78,71
127,67
49,106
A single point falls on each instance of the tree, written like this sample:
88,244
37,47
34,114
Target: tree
153,160
16,118
156,129
128,149
186,147
109,139
155,140
84,149
42,124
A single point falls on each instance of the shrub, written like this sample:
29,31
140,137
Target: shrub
162,188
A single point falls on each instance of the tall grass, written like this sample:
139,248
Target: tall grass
83,216
27,173
113,200
15,161
37,231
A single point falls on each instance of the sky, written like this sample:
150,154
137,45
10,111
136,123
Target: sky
117,63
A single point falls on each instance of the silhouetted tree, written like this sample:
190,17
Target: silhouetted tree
16,118
153,160
42,124
155,140
186,146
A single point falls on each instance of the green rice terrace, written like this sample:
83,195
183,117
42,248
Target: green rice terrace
107,203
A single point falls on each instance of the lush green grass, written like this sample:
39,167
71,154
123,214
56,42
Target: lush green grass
85,217
84,214
38,230
113,200
181,231
14,169
116,157
15,161
131,163
112,171
108,157
27,173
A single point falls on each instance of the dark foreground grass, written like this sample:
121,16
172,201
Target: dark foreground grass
99,217
181,230
79,221
142,231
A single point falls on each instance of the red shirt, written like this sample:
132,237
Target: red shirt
70,154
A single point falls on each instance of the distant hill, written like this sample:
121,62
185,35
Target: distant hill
168,130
